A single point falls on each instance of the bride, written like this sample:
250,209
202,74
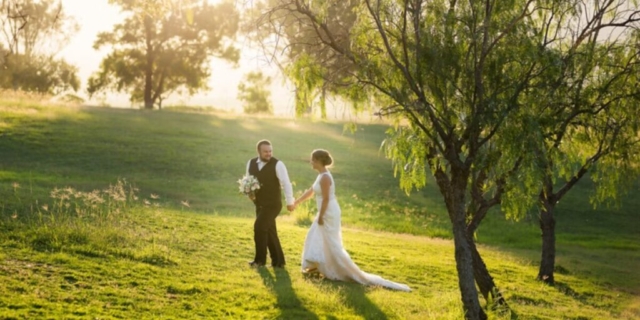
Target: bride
323,251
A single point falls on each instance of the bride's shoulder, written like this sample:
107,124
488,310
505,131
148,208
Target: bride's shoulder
325,177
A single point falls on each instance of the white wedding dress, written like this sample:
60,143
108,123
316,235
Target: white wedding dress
323,247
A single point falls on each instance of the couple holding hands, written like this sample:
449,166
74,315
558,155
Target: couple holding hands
323,251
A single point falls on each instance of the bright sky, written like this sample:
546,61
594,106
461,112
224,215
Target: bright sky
96,16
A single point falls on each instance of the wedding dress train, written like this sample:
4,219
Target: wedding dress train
323,250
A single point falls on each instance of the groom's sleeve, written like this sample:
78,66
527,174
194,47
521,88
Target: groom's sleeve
283,176
248,164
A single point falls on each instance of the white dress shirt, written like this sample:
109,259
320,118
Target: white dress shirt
283,176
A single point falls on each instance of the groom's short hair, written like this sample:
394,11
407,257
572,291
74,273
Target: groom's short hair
261,143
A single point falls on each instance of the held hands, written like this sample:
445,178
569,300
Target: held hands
293,206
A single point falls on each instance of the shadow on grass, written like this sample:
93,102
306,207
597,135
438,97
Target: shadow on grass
290,306
354,296
584,298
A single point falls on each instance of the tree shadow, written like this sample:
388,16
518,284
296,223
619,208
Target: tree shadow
583,298
287,301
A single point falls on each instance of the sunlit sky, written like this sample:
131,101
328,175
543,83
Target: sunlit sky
96,16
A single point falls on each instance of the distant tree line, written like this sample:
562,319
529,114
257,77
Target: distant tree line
161,48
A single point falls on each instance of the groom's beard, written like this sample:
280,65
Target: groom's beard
264,160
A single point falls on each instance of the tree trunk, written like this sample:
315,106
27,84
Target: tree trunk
485,283
547,226
148,69
453,188
464,266
148,78
454,194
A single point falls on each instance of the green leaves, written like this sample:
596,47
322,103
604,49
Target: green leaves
254,92
309,61
307,77
40,74
524,95
406,148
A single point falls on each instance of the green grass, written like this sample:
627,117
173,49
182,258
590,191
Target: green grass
189,262
163,263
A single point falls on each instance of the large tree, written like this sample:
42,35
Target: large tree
164,46
456,76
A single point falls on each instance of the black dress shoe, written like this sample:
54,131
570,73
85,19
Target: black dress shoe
255,264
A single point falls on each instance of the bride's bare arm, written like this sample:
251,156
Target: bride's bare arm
306,195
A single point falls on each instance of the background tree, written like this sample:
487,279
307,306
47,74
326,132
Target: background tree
33,32
582,112
164,46
42,74
32,27
456,77
254,92
315,70
586,112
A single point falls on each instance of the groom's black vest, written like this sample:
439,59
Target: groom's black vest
269,193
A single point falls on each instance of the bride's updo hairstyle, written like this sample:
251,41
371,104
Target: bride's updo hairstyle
323,156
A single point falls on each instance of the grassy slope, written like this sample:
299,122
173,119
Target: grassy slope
197,157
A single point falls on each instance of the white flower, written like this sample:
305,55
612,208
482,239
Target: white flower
248,185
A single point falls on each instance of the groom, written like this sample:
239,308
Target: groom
272,175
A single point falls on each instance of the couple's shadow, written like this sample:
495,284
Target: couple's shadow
292,308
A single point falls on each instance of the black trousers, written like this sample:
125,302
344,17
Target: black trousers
265,235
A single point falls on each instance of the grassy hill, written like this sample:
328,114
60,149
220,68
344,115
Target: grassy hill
185,257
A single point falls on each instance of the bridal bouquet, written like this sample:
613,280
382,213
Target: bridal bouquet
249,185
